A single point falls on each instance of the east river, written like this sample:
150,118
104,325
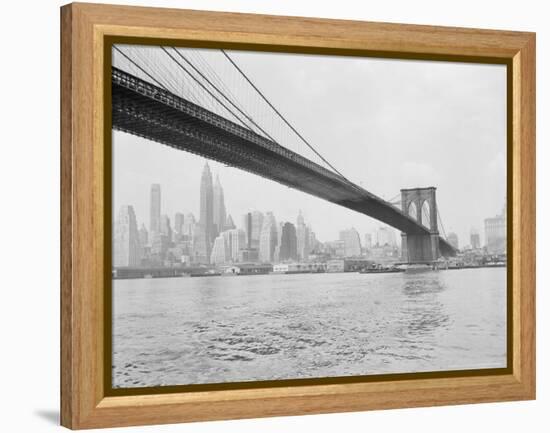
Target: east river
176,331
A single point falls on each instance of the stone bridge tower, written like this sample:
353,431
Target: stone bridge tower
420,204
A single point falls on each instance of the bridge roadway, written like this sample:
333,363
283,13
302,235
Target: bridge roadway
143,109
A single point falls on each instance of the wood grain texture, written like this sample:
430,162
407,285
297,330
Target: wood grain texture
84,28
67,388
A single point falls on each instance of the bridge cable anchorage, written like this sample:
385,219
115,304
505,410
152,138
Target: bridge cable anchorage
140,68
206,89
223,95
281,116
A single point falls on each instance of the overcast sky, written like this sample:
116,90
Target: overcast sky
385,124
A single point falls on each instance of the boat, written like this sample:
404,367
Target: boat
391,270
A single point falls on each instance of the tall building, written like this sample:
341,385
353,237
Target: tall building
385,236
268,239
368,241
253,223
475,241
143,236
179,220
335,248
206,231
257,224
314,244
159,247
452,238
154,216
229,224
302,237
280,226
126,239
238,243
352,242
189,225
221,250
287,250
495,234
144,249
165,227
199,246
218,208
247,227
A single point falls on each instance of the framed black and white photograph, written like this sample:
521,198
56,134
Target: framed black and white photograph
286,216
270,216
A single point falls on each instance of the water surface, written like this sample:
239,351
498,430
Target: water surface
177,331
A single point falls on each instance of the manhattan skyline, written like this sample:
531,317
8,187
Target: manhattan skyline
213,219
214,238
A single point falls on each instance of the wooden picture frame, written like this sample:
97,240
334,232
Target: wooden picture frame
87,30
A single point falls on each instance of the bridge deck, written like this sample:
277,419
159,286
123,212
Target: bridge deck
143,109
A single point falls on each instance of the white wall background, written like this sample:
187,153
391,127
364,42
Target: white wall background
29,218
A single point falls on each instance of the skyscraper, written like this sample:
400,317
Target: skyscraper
221,251
165,227
268,238
159,247
495,234
238,243
385,236
179,219
218,207
452,238
126,238
368,241
206,230
314,244
189,225
247,227
143,236
352,242
302,237
287,250
144,248
253,223
257,224
475,241
229,224
154,216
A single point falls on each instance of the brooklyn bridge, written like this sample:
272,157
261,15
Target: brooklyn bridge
174,97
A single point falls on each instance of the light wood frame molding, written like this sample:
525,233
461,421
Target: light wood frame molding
84,28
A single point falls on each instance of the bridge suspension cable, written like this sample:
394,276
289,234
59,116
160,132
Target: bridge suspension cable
123,54
195,79
394,200
279,114
222,94
441,224
204,87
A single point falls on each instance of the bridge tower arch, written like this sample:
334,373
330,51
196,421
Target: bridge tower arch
420,248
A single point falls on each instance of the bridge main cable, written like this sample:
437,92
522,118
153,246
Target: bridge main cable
205,88
280,115
248,117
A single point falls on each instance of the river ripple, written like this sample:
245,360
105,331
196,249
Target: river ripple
227,329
